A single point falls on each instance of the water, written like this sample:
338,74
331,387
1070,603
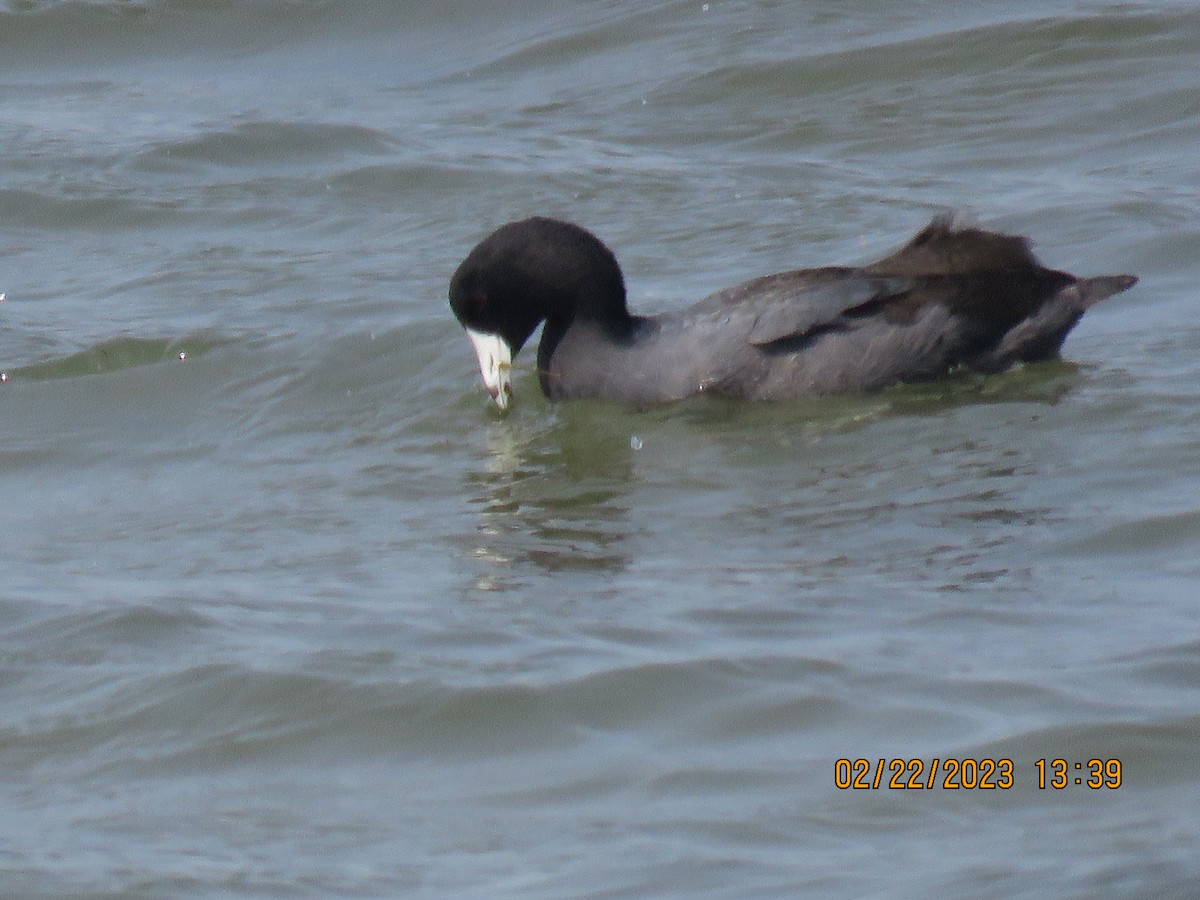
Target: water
287,611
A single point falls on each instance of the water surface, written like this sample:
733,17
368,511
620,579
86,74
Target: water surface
286,610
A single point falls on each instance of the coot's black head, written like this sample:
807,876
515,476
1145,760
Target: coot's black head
525,272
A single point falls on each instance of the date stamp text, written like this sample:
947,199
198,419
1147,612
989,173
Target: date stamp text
965,773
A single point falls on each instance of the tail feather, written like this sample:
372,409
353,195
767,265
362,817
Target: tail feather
1041,335
1092,290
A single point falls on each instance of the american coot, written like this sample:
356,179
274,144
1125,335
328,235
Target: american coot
952,296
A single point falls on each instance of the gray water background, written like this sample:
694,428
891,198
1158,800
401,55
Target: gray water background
287,611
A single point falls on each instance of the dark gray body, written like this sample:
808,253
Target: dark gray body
803,334
949,298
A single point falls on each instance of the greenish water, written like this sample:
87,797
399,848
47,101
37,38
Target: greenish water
286,610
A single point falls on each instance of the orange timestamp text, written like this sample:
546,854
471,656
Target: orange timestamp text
966,773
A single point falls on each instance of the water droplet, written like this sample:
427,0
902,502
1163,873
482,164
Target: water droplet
635,442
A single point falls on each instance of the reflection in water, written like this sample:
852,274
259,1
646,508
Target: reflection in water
784,485
551,494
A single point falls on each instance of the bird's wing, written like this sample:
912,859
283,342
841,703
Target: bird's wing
791,305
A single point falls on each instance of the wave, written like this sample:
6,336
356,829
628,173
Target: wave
276,143
116,354
38,209
62,32
218,714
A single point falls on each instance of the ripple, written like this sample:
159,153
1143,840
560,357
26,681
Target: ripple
42,210
273,143
116,354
